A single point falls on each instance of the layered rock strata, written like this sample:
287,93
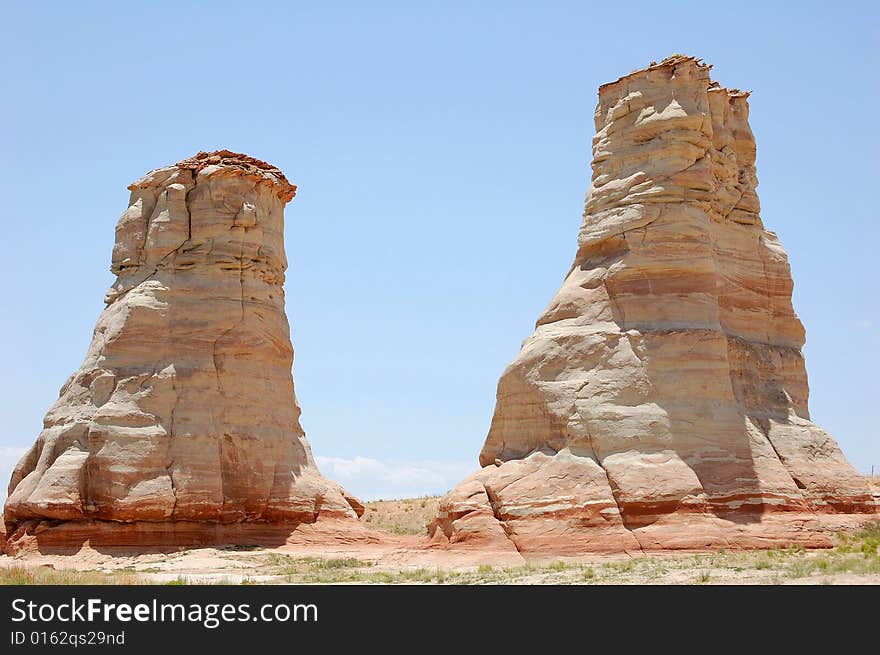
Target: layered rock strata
662,400
182,420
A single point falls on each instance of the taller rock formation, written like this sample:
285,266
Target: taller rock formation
182,421
662,400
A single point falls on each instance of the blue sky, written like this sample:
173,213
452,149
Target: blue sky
442,155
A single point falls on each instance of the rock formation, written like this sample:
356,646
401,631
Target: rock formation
662,401
182,423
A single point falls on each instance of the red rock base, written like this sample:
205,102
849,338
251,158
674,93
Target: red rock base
673,532
60,538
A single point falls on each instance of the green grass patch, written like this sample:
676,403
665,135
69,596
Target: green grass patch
45,575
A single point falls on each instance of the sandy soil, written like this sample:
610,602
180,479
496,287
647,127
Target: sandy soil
406,516
278,566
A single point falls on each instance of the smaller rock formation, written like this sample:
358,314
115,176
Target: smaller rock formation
182,425
662,401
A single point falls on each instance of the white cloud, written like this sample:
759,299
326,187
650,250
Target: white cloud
9,456
371,479
864,323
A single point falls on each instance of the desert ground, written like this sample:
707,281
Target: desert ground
853,560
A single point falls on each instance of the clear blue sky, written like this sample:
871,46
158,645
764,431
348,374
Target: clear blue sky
442,154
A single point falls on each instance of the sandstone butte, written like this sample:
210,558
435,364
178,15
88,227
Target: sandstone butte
661,402
181,426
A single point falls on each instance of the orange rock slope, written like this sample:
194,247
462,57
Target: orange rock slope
182,424
662,401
